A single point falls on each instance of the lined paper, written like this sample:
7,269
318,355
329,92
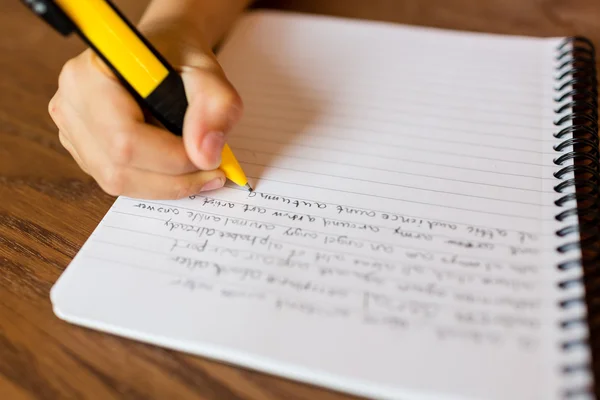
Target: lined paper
400,240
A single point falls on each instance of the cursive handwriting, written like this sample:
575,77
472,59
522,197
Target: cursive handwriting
383,270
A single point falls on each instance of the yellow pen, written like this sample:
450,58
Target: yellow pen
142,70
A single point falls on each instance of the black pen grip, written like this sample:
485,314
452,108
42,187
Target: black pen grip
168,103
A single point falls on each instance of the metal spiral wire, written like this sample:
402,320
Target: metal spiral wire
579,176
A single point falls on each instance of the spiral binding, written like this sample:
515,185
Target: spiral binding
579,175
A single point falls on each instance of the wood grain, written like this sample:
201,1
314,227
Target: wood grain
48,208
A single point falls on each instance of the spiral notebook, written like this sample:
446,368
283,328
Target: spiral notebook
424,206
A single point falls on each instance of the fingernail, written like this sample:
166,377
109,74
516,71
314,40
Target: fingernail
212,185
212,146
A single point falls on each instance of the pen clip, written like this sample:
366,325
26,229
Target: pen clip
52,14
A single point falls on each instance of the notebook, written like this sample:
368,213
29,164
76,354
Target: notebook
424,205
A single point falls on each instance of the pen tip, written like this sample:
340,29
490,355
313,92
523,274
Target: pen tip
249,187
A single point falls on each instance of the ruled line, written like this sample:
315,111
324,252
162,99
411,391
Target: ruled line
395,262
288,131
395,159
237,135
237,188
401,123
409,114
407,186
455,57
350,88
266,98
509,246
225,283
403,200
410,188
315,265
334,250
358,78
260,290
275,97
401,246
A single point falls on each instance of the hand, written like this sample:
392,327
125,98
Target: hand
104,129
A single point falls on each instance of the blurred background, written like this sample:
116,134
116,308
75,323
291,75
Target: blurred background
48,206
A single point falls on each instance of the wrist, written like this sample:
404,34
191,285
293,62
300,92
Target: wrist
202,20
179,40
174,26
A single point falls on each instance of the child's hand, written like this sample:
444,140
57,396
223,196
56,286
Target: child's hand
103,127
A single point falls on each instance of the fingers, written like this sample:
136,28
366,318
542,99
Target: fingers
214,107
113,120
107,134
124,180
69,147
132,182
103,129
152,186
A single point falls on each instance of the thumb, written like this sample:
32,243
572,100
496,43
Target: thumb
214,106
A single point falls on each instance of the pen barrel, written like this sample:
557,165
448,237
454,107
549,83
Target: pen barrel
168,103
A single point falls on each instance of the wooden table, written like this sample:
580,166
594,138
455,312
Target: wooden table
48,208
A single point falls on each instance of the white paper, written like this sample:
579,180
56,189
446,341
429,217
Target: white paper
400,241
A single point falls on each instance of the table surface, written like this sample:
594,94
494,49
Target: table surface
48,208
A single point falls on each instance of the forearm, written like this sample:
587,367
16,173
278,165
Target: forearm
208,19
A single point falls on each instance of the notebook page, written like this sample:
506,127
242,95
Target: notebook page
400,239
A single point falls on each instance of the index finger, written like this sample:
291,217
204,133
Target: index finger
108,112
